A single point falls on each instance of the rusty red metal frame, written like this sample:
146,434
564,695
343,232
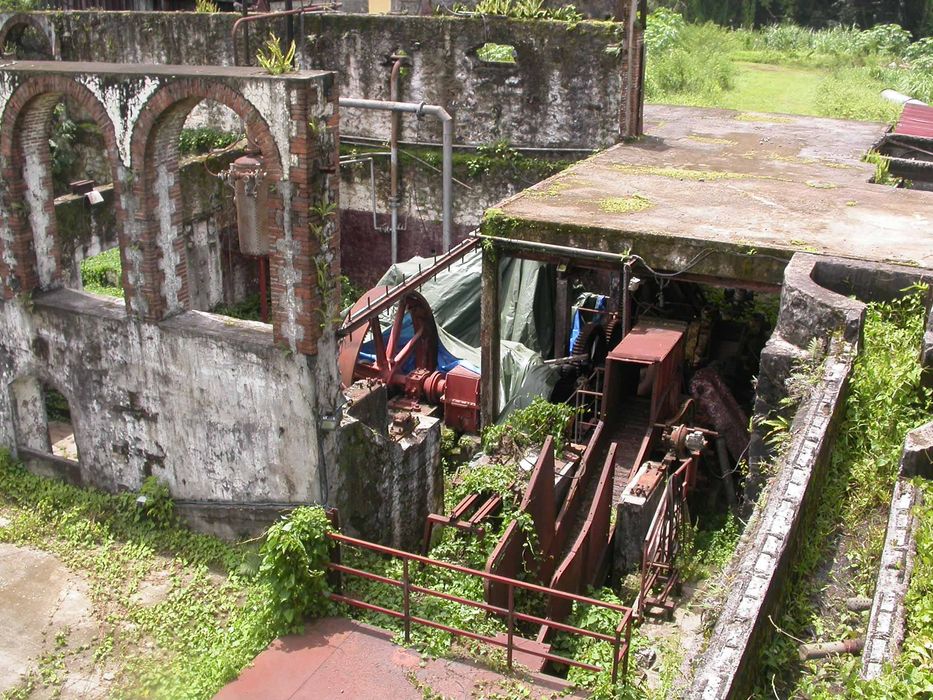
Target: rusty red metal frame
662,543
473,523
621,640
374,307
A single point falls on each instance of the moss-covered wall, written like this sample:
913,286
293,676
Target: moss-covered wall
564,89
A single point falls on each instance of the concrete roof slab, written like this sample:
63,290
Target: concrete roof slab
752,186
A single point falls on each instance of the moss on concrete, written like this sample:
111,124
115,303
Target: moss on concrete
624,205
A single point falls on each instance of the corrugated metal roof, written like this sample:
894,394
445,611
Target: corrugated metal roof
648,343
916,120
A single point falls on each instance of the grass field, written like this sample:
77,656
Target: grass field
771,88
831,73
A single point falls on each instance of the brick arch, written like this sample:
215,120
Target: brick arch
21,21
30,254
155,158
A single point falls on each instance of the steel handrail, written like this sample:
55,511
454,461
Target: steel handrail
620,641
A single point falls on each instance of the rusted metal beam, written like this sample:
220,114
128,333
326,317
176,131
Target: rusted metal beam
394,294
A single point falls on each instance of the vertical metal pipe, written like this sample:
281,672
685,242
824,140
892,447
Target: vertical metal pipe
289,27
396,118
448,175
626,298
448,146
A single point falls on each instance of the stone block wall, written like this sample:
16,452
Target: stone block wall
814,304
885,633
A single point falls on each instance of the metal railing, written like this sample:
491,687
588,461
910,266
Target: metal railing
662,543
587,403
621,640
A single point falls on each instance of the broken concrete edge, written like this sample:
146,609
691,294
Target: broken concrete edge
727,667
886,625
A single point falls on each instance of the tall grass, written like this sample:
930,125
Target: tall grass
687,63
694,64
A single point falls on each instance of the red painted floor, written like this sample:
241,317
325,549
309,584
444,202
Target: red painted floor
340,658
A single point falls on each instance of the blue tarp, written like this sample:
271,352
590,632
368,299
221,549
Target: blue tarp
586,301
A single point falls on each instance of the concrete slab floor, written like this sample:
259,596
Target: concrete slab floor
336,657
731,182
40,601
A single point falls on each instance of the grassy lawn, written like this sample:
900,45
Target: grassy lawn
770,88
830,73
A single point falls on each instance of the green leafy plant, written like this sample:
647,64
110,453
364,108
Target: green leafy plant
153,504
273,59
205,139
206,7
882,169
530,426
294,556
102,274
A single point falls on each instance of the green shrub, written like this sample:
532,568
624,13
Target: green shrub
664,30
530,426
884,39
688,62
294,559
102,274
854,93
205,139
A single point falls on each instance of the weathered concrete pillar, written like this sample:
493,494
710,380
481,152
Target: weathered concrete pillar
489,336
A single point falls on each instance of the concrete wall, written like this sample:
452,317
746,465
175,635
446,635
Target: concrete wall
726,669
563,90
886,628
366,251
207,403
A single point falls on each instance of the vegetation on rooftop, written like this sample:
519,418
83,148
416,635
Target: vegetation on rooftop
519,9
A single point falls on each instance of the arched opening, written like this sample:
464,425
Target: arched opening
23,38
45,428
197,236
57,138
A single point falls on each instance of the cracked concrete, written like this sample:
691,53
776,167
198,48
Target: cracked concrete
39,600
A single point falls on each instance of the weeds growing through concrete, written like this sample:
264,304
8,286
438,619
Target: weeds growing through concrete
885,401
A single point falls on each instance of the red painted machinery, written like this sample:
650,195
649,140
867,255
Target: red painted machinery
405,359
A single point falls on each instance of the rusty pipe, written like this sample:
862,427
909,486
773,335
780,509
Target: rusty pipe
447,122
823,649
245,19
396,118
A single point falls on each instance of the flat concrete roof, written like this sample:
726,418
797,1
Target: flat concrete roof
732,194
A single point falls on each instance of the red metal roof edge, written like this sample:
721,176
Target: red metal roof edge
916,120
